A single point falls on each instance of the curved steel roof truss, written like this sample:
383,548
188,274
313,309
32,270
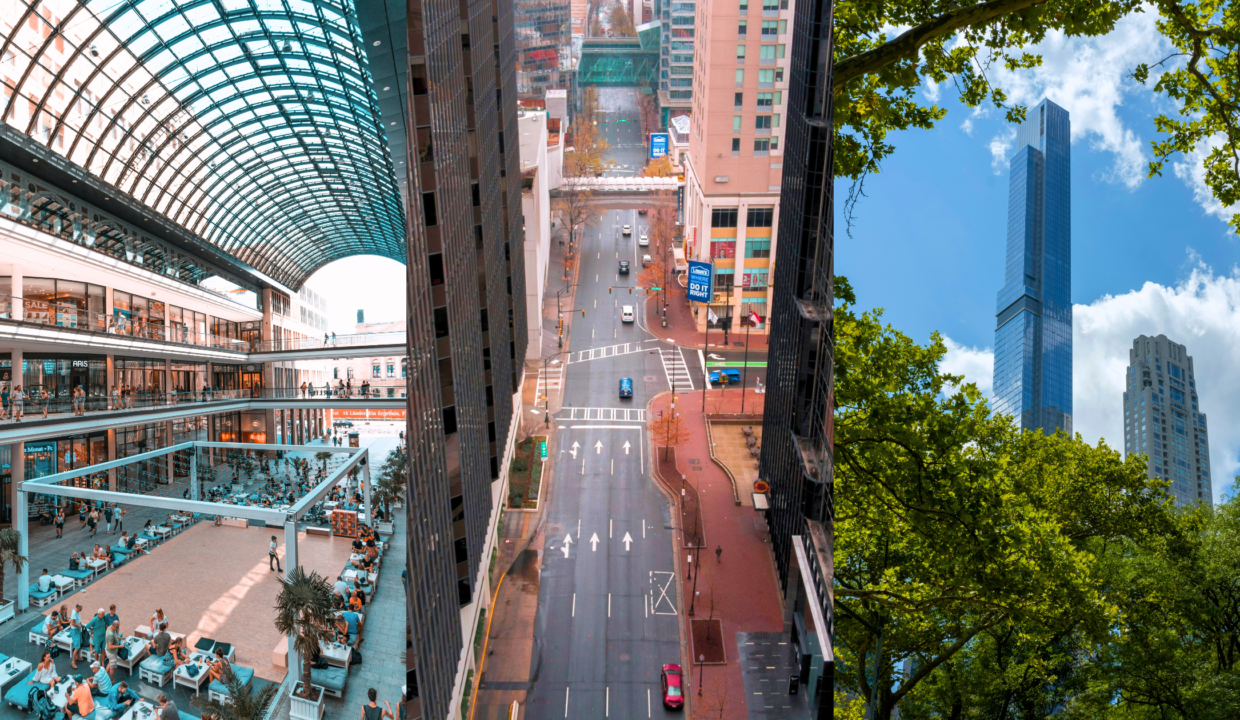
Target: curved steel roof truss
252,123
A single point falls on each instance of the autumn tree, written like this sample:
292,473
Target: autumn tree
668,428
878,72
659,167
576,208
620,19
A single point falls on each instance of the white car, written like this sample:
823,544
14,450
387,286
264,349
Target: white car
628,230
643,240
646,260
626,313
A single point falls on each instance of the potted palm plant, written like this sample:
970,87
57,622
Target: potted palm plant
10,552
244,703
304,612
390,490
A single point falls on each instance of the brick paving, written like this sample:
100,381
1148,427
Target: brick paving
682,326
741,581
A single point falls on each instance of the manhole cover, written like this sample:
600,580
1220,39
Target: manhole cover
695,462
624,657
651,378
697,467
738,344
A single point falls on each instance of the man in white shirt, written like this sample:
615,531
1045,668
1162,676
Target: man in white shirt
45,581
340,585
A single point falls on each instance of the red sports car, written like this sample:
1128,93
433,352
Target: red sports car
673,686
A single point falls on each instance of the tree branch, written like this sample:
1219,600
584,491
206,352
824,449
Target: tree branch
906,45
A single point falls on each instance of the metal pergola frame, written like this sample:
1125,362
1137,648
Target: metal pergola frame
50,485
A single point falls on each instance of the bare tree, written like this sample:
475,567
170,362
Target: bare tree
714,701
670,429
620,19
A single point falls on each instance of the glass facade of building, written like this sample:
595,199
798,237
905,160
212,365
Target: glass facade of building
1033,335
543,34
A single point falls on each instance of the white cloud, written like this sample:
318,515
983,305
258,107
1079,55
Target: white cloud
976,364
931,90
1089,78
967,126
1202,313
999,147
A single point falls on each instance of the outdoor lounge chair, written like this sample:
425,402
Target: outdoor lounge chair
19,695
38,633
219,691
81,576
156,670
43,599
331,679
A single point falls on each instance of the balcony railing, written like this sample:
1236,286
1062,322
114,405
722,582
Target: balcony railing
330,343
71,317
61,406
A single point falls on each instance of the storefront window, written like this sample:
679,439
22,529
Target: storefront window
225,377
188,377
253,428
59,375
143,375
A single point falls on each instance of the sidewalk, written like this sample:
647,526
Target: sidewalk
740,584
682,328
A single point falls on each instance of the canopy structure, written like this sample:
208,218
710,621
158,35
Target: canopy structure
251,123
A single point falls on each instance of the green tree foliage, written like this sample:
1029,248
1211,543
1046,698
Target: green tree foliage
392,481
982,555
878,71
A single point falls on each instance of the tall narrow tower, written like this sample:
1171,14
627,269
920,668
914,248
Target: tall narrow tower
1162,420
1033,332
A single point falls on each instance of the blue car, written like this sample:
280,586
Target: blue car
726,376
626,387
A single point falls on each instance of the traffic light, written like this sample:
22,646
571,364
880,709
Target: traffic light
608,289
583,313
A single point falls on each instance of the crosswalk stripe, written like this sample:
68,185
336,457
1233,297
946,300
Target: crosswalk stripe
603,414
676,369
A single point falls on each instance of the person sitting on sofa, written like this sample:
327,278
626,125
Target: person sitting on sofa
119,699
219,669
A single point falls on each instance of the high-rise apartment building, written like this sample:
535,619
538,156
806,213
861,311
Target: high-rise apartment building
676,24
1162,420
797,431
735,164
466,322
1033,332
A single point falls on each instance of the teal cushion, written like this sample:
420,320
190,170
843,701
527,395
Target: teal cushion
19,694
158,664
244,674
118,550
78,574
332,678
35,593
186,716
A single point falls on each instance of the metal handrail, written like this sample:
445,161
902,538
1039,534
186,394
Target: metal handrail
138,400
39,312
328,343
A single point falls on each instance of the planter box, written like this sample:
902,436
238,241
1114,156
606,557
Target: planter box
6,611
385,528
303,709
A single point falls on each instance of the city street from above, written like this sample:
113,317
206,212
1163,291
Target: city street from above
593,359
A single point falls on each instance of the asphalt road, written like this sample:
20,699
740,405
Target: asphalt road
608,604
619,122
752,366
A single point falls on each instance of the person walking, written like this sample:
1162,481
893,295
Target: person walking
93,521
19,403
272,558
5,395
120,517
719,554
45,400
372,711
107,518
60,522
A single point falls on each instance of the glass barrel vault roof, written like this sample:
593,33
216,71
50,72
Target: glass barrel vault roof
252,123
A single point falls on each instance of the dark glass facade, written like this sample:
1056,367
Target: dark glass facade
797,454
464,279
1033,329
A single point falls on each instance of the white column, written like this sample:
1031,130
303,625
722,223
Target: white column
21,521
370,511
19,307
193,473
290,562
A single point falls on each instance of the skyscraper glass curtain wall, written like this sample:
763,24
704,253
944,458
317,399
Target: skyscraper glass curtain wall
1033,333
542,30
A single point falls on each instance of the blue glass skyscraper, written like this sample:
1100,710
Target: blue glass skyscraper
1033,332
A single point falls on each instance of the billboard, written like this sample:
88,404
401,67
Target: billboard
658,145
368,414
701,276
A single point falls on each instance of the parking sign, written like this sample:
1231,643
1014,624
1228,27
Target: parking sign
701,277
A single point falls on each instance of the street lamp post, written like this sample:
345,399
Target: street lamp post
559,312
546,385
701,671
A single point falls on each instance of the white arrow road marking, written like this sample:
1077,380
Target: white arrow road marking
568,540
628,541
609,526
573,449
713,356
598,447
594,542
626,447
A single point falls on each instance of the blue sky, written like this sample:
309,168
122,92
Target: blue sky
1150,255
